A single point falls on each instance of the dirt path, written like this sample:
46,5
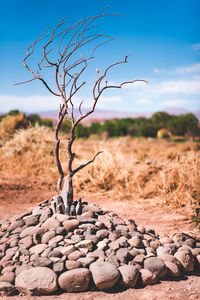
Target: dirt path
19,194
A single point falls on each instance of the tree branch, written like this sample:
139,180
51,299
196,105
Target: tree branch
87,163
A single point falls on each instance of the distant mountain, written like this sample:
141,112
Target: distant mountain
176,111
101,115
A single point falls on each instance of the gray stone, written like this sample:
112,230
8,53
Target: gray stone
123,255
104,275
51,224
31,220
114,245
48,236
29,231
26,242
147,277
58,266
93,208
55,240
190,242
85,244
86,261
67,250
8,277
75,255
165,240
129,276
15,224
102,246
72,264
76,280
136,242
92,238
102,233
70,225
38,249
172,269
42,262
155,244
7,288
55,253
37,281
186,259
156,266
113,260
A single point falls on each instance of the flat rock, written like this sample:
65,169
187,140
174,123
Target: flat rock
51,224
37,281
70,224
15,224
42,262
104,275
48,236
76,280
72,264
86,261
37,249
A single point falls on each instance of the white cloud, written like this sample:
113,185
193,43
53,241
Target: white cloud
175,102
194,68
143,101
45,103
105,101
191,87
28,103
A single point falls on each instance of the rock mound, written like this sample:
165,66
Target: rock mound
42,251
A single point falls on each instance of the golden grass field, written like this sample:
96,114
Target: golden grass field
129,169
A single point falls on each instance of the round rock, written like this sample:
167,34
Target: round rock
38,281
156,266
104,275
129,276
76,280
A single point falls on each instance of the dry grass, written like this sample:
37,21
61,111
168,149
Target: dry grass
129,169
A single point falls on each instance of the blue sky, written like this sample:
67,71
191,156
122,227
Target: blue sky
162,38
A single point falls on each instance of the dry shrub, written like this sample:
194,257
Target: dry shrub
10,124
128,169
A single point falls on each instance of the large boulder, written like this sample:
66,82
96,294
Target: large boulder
156,266
76,280
129,276
104,275
37,281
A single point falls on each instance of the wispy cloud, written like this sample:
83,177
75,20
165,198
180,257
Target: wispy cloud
143,101
28,103
38,103
194,68
196,46
175,102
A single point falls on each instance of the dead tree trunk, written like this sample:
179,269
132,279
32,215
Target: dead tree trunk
66,69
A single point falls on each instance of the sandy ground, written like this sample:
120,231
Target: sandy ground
19,194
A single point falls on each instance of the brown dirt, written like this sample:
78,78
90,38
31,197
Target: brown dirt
18,194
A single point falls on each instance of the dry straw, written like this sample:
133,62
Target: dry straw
129,169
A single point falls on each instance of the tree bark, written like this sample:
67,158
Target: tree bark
67,194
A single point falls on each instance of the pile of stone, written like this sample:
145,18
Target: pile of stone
42,252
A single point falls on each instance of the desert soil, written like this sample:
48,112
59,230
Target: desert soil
18,194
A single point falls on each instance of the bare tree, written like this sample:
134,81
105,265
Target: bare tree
67,68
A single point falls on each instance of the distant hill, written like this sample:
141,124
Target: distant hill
101,115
